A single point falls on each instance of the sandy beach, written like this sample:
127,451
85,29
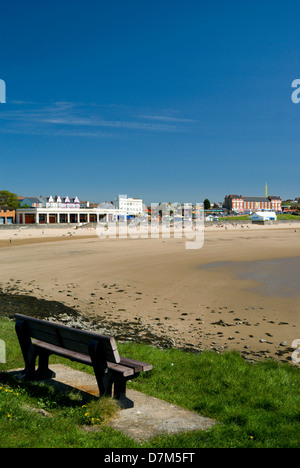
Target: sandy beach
217,297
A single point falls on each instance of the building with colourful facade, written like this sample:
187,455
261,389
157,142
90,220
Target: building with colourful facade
7,215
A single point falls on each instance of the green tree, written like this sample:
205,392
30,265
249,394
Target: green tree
206,204
8,199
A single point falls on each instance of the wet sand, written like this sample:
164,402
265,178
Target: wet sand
195,299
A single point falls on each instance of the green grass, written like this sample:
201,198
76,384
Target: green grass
235,218
256,405
280,217
288,216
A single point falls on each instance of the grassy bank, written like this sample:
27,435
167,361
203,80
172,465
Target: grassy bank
257,405
280,217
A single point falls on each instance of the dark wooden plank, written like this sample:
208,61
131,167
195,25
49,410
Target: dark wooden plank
85,336
63,352
124,370
137,365
80,342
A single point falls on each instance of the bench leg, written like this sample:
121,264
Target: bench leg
43,372
120,390
30,353
28,350
103,376
104,381
119,387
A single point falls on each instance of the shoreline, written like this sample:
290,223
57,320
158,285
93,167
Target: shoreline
134,331
154,289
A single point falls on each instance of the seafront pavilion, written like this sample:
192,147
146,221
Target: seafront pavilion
42,215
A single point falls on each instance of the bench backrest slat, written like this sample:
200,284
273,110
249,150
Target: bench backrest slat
69,338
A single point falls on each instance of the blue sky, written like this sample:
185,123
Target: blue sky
170,100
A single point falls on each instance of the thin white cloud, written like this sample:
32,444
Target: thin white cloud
166,118
53,117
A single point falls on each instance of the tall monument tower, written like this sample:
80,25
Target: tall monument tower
266,190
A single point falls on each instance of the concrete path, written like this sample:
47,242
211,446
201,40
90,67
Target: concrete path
149,416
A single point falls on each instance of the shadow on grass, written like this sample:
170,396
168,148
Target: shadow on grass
56,394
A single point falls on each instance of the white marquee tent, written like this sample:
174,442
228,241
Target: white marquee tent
264,216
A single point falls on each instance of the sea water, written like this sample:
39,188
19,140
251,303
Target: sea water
278,277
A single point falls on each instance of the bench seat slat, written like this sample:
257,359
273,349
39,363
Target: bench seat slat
63,352
82,358
138,366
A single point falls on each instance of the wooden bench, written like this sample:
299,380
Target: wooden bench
41,338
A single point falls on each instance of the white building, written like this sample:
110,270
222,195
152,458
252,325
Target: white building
57,210
132,206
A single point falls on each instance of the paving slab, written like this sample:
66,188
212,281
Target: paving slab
151,416
148,417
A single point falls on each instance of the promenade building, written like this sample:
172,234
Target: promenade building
59,210
239,203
